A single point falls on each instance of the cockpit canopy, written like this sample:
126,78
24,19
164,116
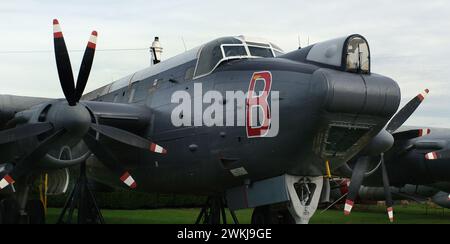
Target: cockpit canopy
215,52
351,54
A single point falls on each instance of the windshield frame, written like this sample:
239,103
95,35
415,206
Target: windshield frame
224,58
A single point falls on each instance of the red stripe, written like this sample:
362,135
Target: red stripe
58,35
9,179
421,97
350,202
153,147
133,186
91,45
125,176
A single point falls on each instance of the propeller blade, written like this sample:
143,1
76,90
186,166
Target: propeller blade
109,160
63,64
128,138
406,112
387,190
25,131
26,164
411,134
86,66
355,184
444,154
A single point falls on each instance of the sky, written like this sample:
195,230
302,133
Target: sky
409,39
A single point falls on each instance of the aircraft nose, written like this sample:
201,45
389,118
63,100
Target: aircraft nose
355,109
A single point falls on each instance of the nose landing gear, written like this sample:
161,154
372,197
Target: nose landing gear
303,197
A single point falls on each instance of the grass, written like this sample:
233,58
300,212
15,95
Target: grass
410,214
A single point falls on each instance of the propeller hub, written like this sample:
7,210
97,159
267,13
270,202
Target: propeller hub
76,120
381,143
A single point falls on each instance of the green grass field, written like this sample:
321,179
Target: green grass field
411,214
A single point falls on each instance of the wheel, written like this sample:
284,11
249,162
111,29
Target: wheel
36,212
262,216
285,217
10,211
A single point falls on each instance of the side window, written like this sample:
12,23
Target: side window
189,75
261,52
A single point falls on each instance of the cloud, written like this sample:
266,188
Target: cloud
409,39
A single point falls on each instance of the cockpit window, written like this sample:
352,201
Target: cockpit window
234,50
214,53
261,52
358,56
350,54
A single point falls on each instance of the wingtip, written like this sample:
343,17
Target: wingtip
55,22
94,33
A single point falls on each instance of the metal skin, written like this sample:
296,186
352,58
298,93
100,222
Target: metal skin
312,99
306,102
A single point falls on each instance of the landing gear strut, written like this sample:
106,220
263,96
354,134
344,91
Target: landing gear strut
214,211
304,196
83,199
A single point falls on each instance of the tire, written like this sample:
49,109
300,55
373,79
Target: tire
262,216
36,212
10,211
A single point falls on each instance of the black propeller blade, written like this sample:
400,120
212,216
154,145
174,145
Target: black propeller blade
109,160
128,138
26,165
357,178
387,190
406,112
364,161
86,66
73,94
411,134
63,63
23,132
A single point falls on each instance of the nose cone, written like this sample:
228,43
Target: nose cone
355,110
75,119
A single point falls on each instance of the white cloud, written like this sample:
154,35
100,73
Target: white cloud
409,39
